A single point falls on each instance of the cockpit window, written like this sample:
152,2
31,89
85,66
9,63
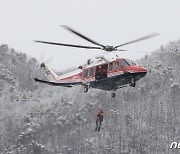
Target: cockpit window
124,63
117,66
85,73
130,62
91,72
110,66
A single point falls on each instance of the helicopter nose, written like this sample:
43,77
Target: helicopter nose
143,71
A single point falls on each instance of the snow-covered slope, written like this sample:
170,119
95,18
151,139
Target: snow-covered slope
45,119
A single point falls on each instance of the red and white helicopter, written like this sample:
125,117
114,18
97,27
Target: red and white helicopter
108,72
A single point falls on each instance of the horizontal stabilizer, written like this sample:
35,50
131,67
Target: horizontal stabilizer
58,83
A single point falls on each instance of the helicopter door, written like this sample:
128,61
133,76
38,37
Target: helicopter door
101,72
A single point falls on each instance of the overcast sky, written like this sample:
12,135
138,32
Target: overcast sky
111,22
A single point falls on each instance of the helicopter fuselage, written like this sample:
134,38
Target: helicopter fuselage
117,73
103,74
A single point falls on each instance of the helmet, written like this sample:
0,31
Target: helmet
101,110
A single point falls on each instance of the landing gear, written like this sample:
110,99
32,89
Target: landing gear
113,94
133,83
86,88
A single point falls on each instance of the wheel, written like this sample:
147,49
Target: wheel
133,84
113,95
85,89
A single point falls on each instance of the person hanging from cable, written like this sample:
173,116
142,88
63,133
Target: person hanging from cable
99,120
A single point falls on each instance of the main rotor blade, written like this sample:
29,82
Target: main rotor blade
156,52
69,45
82,36
139,39
120,50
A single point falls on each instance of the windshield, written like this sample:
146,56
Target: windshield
124,63
130,62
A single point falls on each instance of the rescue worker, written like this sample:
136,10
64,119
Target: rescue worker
99,72
104,73
99,120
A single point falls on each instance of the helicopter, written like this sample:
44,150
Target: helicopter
108,72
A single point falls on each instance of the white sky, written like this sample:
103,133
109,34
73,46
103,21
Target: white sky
111,22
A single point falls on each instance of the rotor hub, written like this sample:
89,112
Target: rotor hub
109,48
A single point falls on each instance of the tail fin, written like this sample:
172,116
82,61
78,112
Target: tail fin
51,75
